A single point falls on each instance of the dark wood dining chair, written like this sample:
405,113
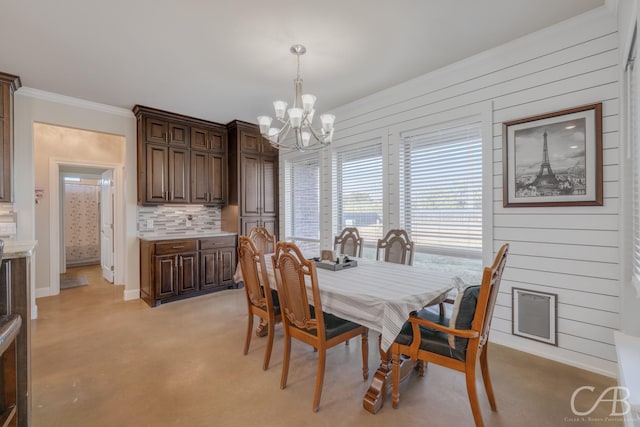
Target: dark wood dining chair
263,239
457,343
307,322
349,242
262,301
397,247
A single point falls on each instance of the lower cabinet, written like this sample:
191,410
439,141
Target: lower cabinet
268,222
176,269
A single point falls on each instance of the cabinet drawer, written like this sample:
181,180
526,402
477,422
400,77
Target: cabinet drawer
176,246
217,242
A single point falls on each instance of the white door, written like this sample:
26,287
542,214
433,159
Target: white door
106,224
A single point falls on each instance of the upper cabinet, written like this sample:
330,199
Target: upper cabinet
180,159
8,85
253,180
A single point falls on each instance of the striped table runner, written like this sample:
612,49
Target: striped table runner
379,295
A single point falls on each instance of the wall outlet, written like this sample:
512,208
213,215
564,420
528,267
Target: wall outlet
149,223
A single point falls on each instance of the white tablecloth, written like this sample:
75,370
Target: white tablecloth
379,295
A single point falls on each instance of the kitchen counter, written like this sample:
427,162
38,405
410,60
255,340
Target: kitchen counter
180,236
19,248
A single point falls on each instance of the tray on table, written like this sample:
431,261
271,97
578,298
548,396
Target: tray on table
335,266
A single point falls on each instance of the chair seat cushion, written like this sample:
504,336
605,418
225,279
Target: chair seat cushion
333,325
276,301
431,340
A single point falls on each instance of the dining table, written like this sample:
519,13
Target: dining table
380,296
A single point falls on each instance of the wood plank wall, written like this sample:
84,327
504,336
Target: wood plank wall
570,251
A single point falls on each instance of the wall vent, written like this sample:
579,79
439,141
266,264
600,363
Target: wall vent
534,315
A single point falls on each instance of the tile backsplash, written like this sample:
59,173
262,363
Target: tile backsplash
177,220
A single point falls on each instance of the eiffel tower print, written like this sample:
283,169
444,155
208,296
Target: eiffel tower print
546,179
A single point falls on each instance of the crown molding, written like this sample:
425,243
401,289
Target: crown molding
73,102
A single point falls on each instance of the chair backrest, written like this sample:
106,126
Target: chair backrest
489,289
264,241
397,247
349,242
254,274
292,273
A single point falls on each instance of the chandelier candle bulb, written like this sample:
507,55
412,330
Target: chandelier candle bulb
307,102
265,124
280,107
295,117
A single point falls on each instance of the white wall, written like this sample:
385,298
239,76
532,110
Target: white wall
573,252
33,106
55,145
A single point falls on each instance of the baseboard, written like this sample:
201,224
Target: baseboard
131,294
43,292
567,357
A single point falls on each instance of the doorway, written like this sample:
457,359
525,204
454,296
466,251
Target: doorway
86,229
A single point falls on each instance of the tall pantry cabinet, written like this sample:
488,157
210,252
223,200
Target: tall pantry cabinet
253,181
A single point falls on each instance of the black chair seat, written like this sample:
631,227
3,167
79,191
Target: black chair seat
432,340
333,325
276,301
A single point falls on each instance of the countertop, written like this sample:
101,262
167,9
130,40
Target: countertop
157,237
18,248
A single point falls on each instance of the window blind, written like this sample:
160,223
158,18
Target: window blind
358,189
302,202
632,105
441,190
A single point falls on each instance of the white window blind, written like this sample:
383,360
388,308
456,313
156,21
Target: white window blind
634,143
302,203
441,190
357,177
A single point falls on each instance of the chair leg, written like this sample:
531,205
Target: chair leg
484,366
473,394
365,355
267,352
395,377
322,358
420,365
247,341
285,361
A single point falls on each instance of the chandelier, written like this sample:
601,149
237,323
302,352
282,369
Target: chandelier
299,119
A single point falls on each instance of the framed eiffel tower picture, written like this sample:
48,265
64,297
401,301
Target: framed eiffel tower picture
553,159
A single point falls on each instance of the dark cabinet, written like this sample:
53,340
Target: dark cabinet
167,174
180,159
208,178
176,269
253,180
8,85
217,262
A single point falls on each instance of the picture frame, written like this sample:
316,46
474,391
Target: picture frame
553,159
534,315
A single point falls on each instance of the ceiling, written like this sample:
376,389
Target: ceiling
221,60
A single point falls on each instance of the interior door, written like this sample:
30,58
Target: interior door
106,224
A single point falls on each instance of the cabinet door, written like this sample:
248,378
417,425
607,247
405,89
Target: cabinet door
156,130
166,276
271,224
179,175
157,179
179,135
227,259
217,178
217,141
250,141
199,139
199,174
208,269
187,273
250,184
246,224
269,178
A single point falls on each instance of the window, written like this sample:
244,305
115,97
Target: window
302,204
358,193
441,195
632,127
